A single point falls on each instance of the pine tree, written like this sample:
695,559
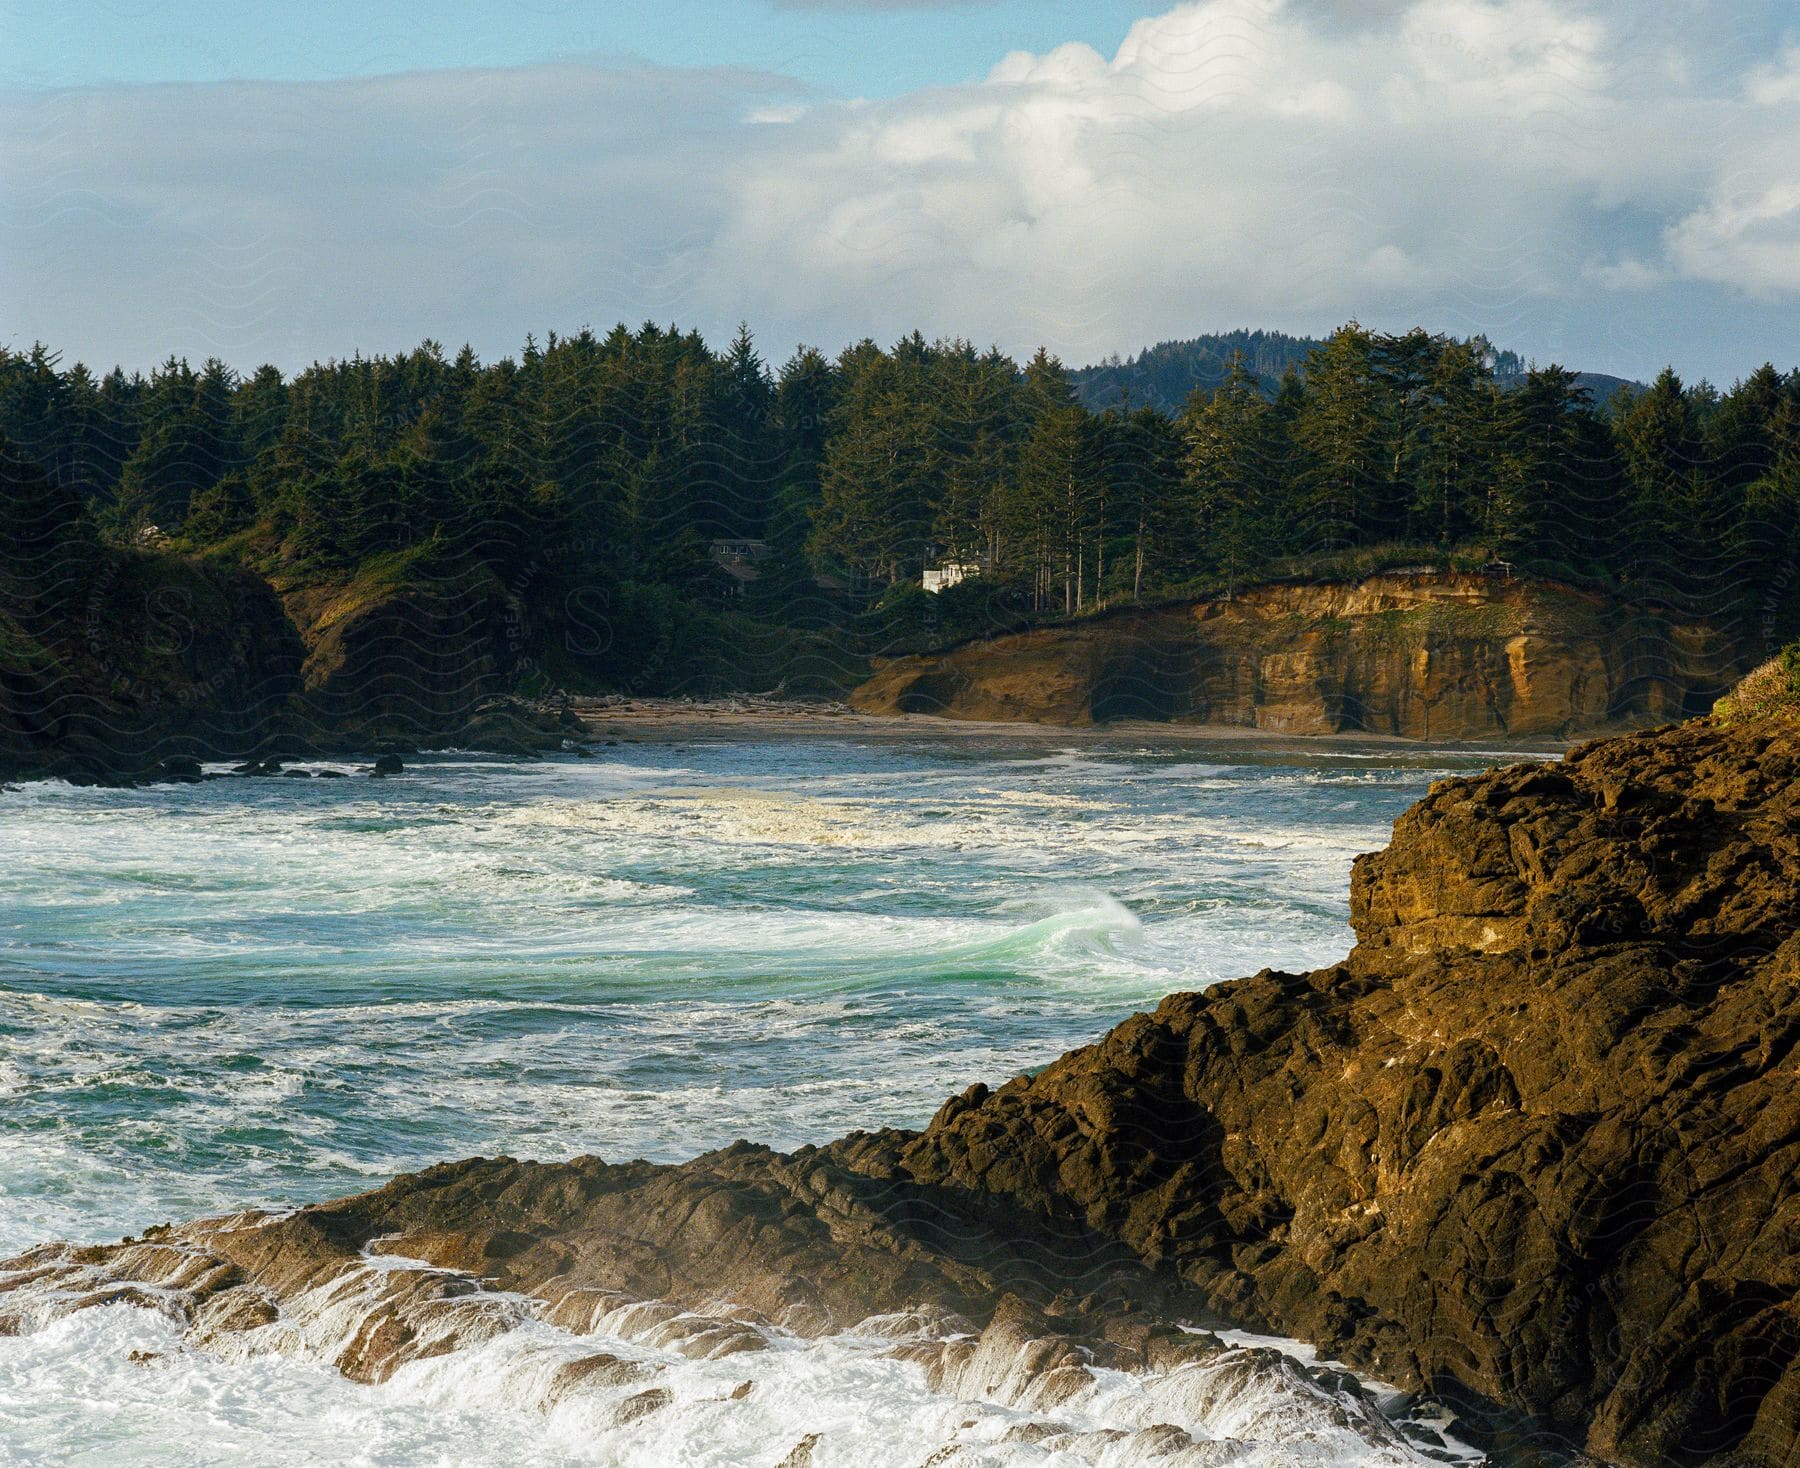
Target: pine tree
1457,445
1544,464
1404,369
1659,450
1227,436
1343,435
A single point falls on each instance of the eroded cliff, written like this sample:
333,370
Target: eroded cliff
1428,655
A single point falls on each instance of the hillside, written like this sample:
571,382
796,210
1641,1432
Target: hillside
1166,375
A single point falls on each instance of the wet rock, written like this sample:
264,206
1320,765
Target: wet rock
600,1370
801,1454
641,1405
1533,1138
180,769
388,764
231,1311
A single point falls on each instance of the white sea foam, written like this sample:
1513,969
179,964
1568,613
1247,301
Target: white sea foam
641,1384
265,992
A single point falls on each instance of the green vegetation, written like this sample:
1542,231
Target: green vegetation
1771,691
584,485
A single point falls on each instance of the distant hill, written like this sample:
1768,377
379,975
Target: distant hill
1602,385
1165,376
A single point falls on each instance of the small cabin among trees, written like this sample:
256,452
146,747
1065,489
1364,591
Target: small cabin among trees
741,560
951,573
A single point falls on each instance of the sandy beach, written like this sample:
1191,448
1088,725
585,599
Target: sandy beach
750,718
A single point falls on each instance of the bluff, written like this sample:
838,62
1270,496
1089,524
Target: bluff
146,655
140,657
1422,655
1532,1148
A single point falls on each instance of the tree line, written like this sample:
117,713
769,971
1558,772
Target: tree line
618,460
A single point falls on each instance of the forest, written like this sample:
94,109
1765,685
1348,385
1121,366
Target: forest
602,470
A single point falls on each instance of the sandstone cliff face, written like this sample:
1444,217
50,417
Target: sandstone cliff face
1422,656
1533,1147
167,655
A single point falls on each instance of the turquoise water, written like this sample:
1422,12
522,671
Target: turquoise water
275,991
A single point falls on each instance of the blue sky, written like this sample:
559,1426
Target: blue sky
1603,183
842,49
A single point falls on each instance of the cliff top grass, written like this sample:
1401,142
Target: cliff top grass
1771,691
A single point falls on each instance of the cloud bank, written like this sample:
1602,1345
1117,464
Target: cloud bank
1558,174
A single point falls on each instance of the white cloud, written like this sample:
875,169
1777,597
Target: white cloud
1747,233
1237,160
1513,166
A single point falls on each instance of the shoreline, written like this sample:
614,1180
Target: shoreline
586,722
752,719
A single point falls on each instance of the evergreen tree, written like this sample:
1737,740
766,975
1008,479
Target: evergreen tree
48,545
1143,460
1659,448
1544,464
1344,436
1404,369
1455,456
1228,439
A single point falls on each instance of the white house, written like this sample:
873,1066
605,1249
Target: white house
951,573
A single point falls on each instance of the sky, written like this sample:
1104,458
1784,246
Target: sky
1601,183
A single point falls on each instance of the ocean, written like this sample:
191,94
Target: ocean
273,991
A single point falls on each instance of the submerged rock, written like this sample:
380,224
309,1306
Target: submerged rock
1531,1148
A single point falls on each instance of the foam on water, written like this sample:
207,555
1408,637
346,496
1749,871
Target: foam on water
267,992
642,1384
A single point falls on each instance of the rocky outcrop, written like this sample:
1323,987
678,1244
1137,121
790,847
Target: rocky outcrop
1425,655
406,654
166,656
1535,1140
1532,1147
156,657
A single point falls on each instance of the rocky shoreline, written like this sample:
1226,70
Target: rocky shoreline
508,726
1530,1150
